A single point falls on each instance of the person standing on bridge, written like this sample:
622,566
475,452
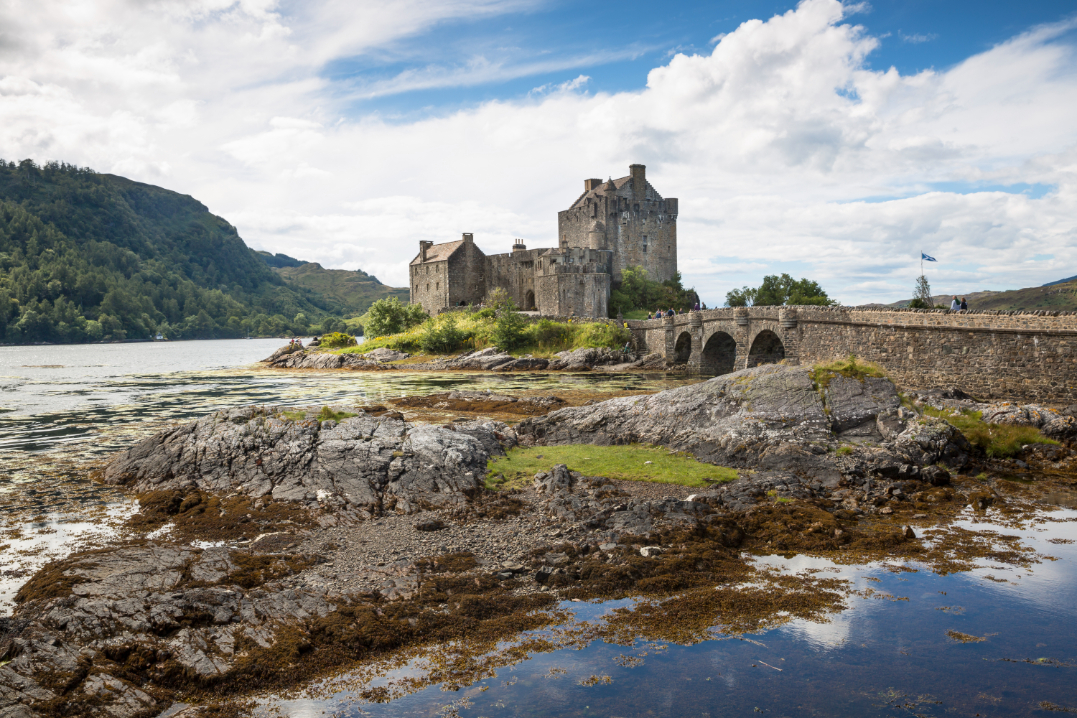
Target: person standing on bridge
964,305
955,305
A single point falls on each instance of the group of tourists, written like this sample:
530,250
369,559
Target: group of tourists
958,305
658,313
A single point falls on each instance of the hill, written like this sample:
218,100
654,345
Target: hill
353,292
1057,296
87,256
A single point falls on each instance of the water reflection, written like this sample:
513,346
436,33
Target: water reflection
888,653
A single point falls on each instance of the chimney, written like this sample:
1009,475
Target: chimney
590,184
518,245
639,179
423,246
469,237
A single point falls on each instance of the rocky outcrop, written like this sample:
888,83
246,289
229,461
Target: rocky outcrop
320,360
385,354
360,466
768,417
486,402
90,622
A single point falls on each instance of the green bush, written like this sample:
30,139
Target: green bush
510,331
337,340
389,316
441,336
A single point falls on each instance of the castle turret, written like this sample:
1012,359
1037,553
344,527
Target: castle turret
596,235
639,180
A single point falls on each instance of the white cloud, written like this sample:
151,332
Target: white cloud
771,141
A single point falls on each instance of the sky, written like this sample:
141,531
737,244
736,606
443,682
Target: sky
827,140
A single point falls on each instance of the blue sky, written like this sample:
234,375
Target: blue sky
616,46
833,141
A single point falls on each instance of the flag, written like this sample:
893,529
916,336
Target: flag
927,258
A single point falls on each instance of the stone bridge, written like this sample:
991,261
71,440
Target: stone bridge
1018,355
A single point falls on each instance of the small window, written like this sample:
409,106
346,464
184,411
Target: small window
437,285
645,249
428,286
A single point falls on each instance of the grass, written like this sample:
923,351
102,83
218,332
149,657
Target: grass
543,338
821,374
998,441
844,450
614,462
326,414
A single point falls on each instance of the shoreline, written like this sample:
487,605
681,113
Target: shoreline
434,551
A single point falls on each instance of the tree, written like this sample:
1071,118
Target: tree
508,332
780,290
389,316
638,291
921,296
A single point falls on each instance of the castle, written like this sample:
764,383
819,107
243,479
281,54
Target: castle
612,225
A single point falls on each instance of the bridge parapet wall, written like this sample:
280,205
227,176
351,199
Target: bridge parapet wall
1017,355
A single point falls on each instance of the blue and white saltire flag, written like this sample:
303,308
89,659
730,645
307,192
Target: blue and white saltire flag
927,258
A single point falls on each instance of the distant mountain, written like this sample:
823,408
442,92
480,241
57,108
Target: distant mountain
353,291
1058,296
87,256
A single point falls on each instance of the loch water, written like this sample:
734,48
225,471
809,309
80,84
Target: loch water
889,652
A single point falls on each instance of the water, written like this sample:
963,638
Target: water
62,409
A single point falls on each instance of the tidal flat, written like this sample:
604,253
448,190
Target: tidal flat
568,595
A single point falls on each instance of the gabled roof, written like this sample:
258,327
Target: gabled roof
439,252
604,189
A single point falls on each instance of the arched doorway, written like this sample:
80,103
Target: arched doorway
719,354
682,351
766,349
529,301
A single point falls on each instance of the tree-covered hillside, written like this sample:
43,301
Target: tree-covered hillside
354,291
88,257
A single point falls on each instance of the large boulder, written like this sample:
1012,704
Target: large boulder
855,405
767,417
364,463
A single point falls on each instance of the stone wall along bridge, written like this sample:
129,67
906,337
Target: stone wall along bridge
1014,355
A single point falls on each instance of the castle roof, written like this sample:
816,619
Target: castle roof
438,252
604,189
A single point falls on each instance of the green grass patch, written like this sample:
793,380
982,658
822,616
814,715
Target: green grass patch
821,374
998,441
326,414
614,462
844,450
455,332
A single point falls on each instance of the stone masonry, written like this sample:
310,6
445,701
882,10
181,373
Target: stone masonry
612,225
1015,355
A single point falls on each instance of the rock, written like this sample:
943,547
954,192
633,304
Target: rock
526,364
320,360
650,551
385,354
908,532
764,417
981,500
1060,428
1018,415
855,405
430,525
928,440
886,510
935,475
486,359
362,464
172,602
285,350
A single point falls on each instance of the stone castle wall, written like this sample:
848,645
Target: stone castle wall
1026,356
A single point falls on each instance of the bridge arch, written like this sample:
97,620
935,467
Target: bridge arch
682,350
766,348
719,354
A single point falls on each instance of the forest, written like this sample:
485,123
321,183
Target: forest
90,257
